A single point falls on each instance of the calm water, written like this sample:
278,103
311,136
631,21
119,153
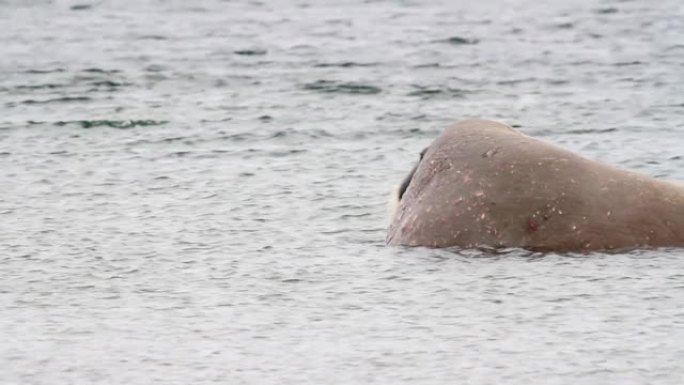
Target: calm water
196,193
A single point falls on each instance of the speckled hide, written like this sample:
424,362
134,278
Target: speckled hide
482,183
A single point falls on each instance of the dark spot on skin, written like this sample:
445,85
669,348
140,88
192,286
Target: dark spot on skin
532,224
422,153
407,181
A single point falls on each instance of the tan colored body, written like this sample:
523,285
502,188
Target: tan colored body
482,183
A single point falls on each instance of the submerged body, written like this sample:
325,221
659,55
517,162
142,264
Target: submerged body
482,183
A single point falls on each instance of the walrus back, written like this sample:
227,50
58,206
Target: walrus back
483,184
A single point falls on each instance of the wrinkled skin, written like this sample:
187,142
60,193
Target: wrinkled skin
482,183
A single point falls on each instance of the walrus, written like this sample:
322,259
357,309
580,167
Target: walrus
484,184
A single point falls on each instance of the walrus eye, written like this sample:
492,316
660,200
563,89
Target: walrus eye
405,183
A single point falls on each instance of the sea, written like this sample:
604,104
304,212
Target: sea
194,192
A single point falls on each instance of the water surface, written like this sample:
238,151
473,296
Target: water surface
195,193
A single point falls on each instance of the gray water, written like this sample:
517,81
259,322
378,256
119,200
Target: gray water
194,192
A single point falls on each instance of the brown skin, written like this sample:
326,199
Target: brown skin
482,183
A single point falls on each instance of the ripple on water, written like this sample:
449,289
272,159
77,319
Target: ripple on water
42,71
345,64
607,11
251,52
121,124
335,87
458,40
61,99
429,92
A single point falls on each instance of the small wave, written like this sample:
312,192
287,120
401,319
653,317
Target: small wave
512,82
279,134
606,11
40,72
675,47
179,154
152,37
107,85
121,124
392,116
328,86
285,153
565,26
290,133
101,71
33,87
591,131
458,40
345,64
80,7
64,99
351,216
557,82
433,65
428,92
413,132
628,63
251,52
239,137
